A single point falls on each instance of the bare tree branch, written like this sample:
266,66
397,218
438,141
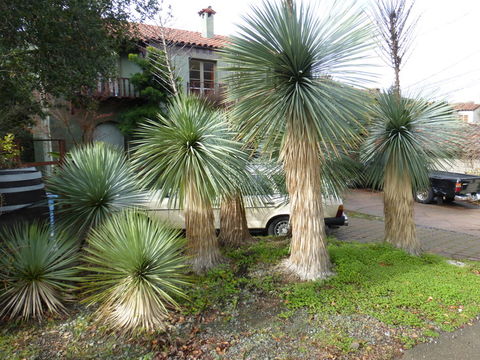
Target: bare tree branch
395,32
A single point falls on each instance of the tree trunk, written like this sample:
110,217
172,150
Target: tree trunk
309,257
398,201
202,243
233,222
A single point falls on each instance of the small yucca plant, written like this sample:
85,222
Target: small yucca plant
135,270
37,270
95,181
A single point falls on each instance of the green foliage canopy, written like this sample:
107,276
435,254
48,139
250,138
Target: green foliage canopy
66,43
154,88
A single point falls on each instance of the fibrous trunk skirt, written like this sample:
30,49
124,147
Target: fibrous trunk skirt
233,222
202,243
308,258
398,200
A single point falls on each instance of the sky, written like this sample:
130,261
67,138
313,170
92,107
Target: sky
444,60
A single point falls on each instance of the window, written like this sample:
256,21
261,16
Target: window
463,118
202,77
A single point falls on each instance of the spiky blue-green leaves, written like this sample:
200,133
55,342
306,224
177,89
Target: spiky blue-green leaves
37,270
411,135
193,144
95,181
287,64
135,270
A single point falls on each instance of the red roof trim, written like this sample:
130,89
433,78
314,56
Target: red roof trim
208,11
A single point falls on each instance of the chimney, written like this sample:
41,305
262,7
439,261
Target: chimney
207,22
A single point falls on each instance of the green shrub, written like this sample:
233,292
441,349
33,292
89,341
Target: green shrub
37,270
9,152
135,270
95,181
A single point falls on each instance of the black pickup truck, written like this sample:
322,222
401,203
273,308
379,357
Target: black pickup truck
444,186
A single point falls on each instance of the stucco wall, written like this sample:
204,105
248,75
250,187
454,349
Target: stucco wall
126,68
473,116
181,58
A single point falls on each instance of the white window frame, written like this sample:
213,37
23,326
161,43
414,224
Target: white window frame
201,89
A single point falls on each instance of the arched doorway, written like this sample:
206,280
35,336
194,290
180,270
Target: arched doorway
108,132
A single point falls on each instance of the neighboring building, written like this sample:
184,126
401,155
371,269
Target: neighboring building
197,64
469,112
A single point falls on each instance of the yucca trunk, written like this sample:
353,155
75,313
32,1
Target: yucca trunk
400,228
309,257
202,243
233,222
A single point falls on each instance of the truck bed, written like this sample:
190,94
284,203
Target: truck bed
444,175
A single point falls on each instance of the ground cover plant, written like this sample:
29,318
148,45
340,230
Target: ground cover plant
381,301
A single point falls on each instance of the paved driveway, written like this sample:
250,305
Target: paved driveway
448,230
459,216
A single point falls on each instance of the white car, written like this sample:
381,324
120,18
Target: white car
272,217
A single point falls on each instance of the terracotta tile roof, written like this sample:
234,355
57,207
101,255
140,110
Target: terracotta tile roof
469,106
148,32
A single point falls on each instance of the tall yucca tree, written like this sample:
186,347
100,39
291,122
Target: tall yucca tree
407,139
287,64
190,156
408,135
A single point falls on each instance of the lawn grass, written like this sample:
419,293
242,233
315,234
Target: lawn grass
414,298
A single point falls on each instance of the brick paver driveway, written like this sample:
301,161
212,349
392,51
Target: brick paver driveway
443,242
448,230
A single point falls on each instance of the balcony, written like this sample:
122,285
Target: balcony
114,88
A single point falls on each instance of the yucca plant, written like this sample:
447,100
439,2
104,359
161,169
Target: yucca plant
407,139
190,156
255,190
37,270
95,181
135,270
286,66
408,136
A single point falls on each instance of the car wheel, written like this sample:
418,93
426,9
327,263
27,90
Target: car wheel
279,226
425,196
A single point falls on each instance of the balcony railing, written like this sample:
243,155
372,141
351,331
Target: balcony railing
114,87
214,91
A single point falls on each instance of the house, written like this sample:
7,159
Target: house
196,62
468,112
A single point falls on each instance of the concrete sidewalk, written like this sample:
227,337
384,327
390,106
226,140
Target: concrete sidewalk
463,344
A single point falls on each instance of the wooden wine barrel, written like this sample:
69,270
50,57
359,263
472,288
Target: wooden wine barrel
20,188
